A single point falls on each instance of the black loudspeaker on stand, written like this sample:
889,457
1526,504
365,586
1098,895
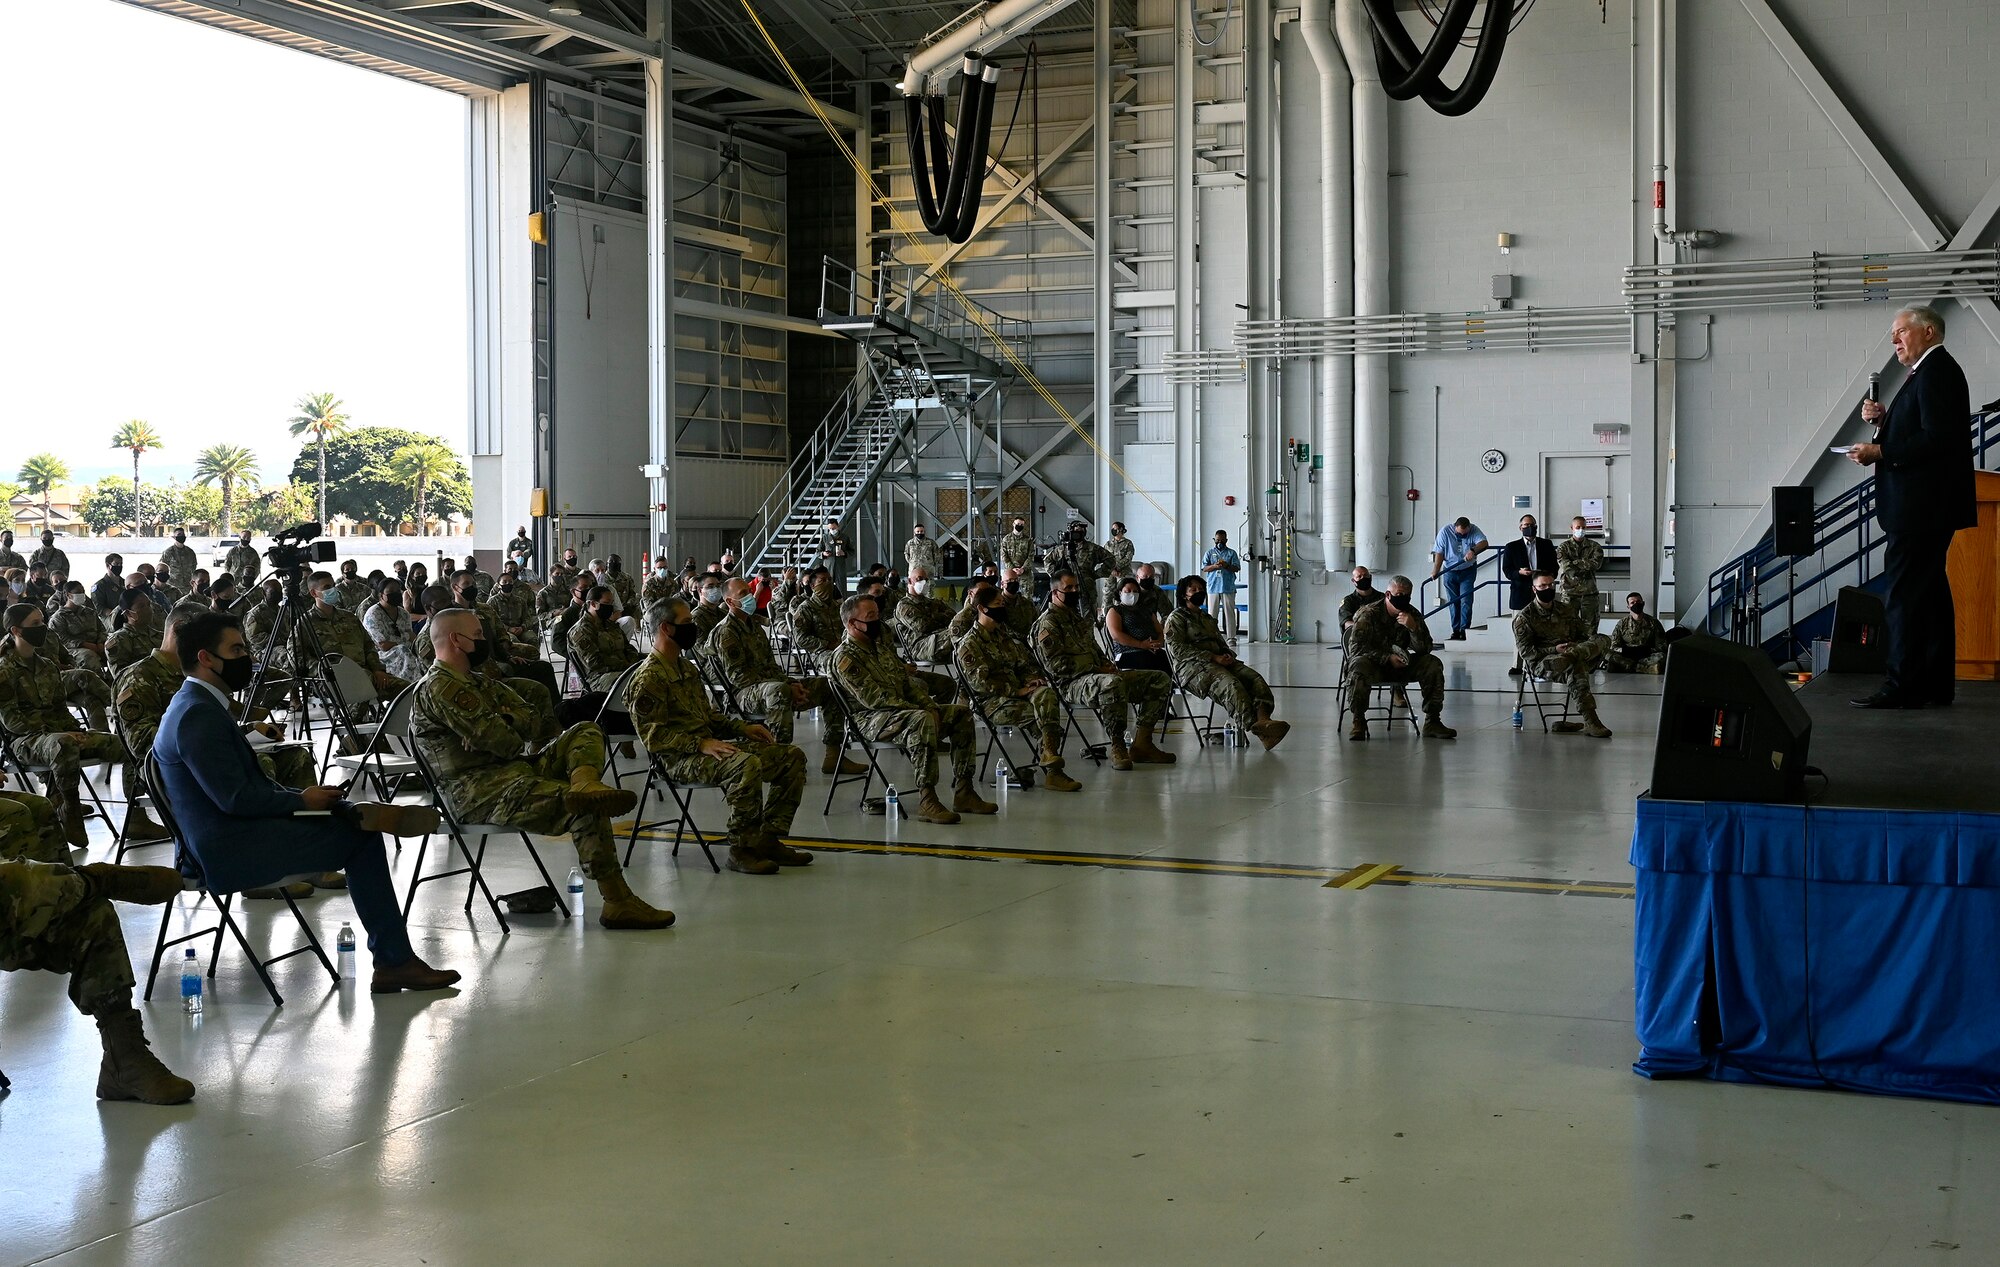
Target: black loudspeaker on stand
1730,728
1792,536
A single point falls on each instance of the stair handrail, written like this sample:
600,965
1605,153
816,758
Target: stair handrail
910,292
819,447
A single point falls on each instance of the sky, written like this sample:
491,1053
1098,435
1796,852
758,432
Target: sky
204,228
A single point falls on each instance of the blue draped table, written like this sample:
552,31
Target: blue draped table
1849,948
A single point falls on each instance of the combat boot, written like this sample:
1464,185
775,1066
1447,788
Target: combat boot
1056,781
1593,728
1121,756
139,825
1145,753
750,860
1566,728
783,854
1052,757
130,1070
1358,731
141,886
589,794
965,799
836,762
931,810
1272,733
68,809
625,909
1434,728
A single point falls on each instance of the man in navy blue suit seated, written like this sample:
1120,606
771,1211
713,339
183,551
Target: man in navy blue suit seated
246,830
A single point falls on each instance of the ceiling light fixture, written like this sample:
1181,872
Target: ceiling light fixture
569,10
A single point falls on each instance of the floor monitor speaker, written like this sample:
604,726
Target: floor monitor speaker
1860,642
1730,727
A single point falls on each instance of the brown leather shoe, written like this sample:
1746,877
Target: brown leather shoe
130,1070
413,975
396,820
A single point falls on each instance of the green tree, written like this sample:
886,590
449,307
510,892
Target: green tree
108,503
323,416
41,473
228,465
196,506
419,465
279,508
139,438
361,484
8,491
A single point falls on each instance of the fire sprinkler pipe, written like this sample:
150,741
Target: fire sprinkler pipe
1335,442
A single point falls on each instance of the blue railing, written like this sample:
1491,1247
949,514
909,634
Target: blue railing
1846,548
1488,576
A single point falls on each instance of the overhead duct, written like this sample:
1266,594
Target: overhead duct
1371,282
1336,232
1407,73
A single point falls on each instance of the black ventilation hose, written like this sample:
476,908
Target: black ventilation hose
1418,71
975,185
920,169
968,152
1404,69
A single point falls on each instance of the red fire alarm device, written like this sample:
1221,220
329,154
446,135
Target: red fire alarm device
1413,495
1229,501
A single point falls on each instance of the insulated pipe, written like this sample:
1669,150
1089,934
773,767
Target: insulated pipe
975,184
985,28
1371,281
1335,442
967,153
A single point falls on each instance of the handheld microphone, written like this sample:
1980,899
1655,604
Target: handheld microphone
1874,387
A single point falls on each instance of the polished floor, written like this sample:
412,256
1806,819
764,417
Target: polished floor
898,1057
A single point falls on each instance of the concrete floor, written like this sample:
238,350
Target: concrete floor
937,1060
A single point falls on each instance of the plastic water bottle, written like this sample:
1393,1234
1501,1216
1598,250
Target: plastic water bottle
892,808
343,951
190,983
575,886
1002,776
1517,717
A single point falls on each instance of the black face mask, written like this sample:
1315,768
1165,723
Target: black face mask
392,600
685,636
871,629
1059,597
1013,587
236,673
605,614
1545,596
1365,586
476,656
991,613
1635,608
36,634
1401,602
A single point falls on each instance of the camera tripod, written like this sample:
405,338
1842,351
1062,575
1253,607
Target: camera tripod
310,677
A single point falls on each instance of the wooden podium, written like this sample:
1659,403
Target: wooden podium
1974,569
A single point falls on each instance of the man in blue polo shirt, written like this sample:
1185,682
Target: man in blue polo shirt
1219,568
1455,553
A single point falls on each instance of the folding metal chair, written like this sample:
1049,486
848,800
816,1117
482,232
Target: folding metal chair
458,830
1204,727
614,707
192,881
1388,702
133,795
386,761
683,822
1529,686
42,770
853,738
1023,772
350,726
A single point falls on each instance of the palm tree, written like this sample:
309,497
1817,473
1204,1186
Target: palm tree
420,464
226,464
321,415
38,475
138,437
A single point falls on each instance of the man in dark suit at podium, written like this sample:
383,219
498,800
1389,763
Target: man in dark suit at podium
1922,455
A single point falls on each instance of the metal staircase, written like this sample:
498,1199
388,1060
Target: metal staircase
930,358
1781,603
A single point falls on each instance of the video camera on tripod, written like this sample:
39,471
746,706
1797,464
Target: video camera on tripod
293,548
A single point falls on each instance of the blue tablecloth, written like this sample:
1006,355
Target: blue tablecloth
1819,947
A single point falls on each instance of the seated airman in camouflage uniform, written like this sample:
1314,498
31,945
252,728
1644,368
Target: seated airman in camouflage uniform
243,562
1638,640
742,649
513,605
598,647
136,637
893,707
519,663
1118,552
475,733
708,613
32,704
83,688
9,556
1066,645
57,918
340,633
922,623
356,591
621,581
30,828
1204,664
943,689
482,580
816,624
562,576
260,619
110,588
1012,690
1553,645
179,562
670,709
653,596
1389,642
79,628
786,592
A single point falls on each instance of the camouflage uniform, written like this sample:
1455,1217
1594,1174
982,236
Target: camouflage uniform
482,581
744,652
178,561
550,604
52,919
1017,550
1638,645
1538,630
473,732
561,577
627,590
816,626
11,558
30,828
1579,560
895,708
1118,553
340,632
76,626
600,652
258,623
52,558
32,705
783,595
357,592
1193,642
515,609
922,626
244,563
82,688
1085,558
998,669
1067,647
653,598
922,552
1375,637
707,616
670,710
145,690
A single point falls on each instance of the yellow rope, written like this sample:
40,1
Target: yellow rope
943,273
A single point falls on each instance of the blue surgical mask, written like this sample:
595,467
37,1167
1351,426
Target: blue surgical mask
333,597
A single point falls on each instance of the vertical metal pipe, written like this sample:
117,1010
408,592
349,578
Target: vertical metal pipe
1104,341
1371,284
1187,528
1335,440
1648,132
1259,63
659,143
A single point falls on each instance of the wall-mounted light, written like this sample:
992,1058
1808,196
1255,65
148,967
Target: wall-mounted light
566,10
1506,243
